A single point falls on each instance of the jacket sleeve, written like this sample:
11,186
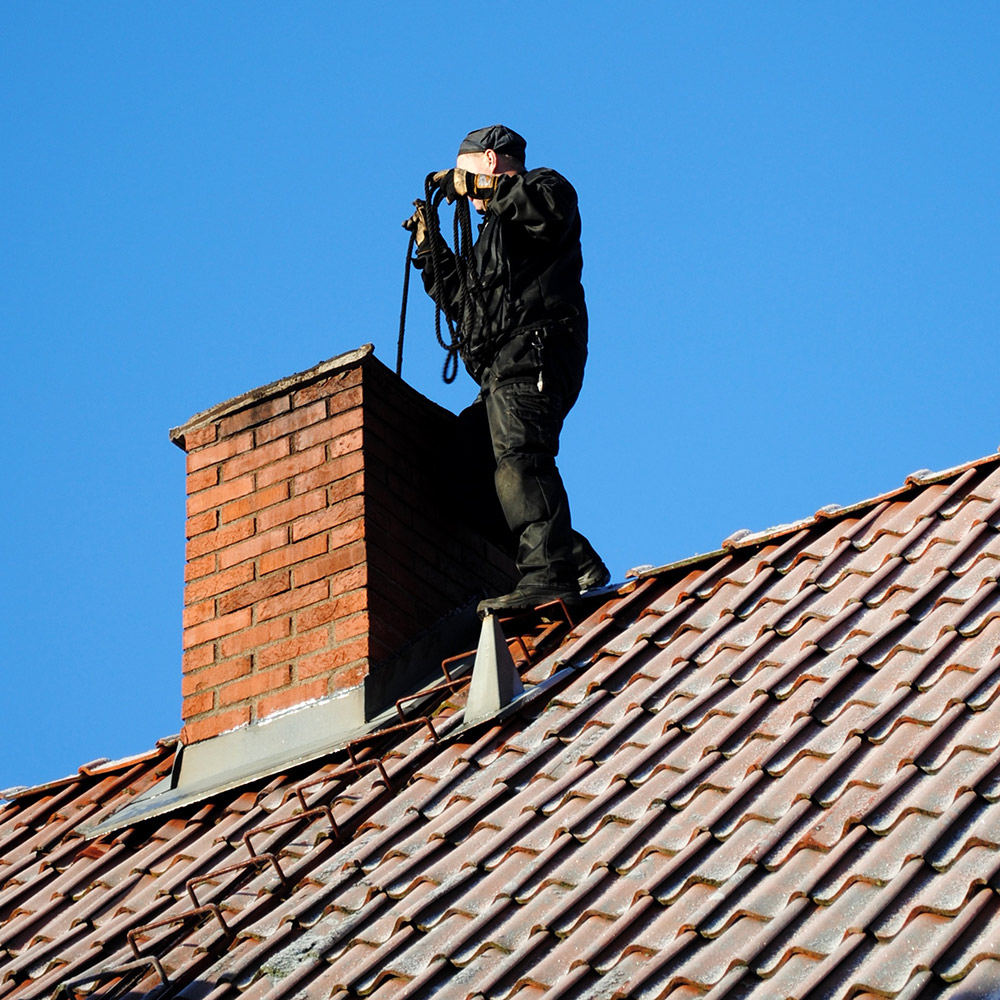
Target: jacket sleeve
542,202
443,288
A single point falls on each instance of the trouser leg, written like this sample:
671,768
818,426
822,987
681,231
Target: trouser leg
524,426
474,490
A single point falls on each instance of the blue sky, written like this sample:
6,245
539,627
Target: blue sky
790,237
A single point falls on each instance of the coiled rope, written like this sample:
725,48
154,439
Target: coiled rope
470,288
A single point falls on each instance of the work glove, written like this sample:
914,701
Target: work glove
457,183
417,223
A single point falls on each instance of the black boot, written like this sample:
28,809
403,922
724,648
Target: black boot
526,597
592,574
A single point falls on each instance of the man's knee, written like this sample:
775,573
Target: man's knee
528,487
524,421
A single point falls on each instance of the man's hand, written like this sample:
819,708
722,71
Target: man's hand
417,223
457,183
445,181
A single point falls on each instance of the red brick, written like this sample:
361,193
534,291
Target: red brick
219,452
254,638
254,414
347,510
348,677
253,547
291,509
345,444
201,523
195,568
347,533
200,436
200,656
285,468
349,579
344,489
218,539
266,586
262,455
348,628
345,399
298,695
255,502
197,704
216,496
212,677
329,472
218,583
292,648
340,607
213,725
330,660
195,614
325,566
202,480
292,554
256,684
291,422
292,600
327,386
327,430
208,631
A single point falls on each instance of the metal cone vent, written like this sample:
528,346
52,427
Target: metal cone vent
495,680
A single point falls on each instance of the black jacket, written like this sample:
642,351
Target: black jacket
529,263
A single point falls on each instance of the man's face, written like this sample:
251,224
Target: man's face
477,163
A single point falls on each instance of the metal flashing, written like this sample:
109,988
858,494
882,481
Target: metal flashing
242,755
303,734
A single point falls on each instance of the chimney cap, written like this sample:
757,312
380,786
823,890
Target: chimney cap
321,370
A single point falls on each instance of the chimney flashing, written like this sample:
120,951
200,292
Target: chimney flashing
243,755
297,736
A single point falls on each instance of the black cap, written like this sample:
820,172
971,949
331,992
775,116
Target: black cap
495,137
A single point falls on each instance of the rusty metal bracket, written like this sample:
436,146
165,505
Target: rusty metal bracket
68,989
357,768
532,612
449,685
519,641
423,720
454,659
278,823
199,911
563,607
254,859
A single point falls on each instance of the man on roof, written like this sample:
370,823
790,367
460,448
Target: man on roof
524,340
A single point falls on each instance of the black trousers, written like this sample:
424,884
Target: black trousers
510,435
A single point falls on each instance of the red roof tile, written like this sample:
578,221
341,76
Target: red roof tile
773,771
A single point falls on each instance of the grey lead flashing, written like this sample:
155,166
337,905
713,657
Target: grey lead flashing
232,759
203,770
272,389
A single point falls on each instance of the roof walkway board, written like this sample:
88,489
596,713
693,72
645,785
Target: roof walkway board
770,772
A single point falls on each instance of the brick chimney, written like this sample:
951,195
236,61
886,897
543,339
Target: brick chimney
320,543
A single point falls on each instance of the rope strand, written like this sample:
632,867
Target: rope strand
470,289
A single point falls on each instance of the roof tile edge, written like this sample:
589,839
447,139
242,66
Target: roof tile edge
738,540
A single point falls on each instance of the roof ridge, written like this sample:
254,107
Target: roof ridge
744,538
